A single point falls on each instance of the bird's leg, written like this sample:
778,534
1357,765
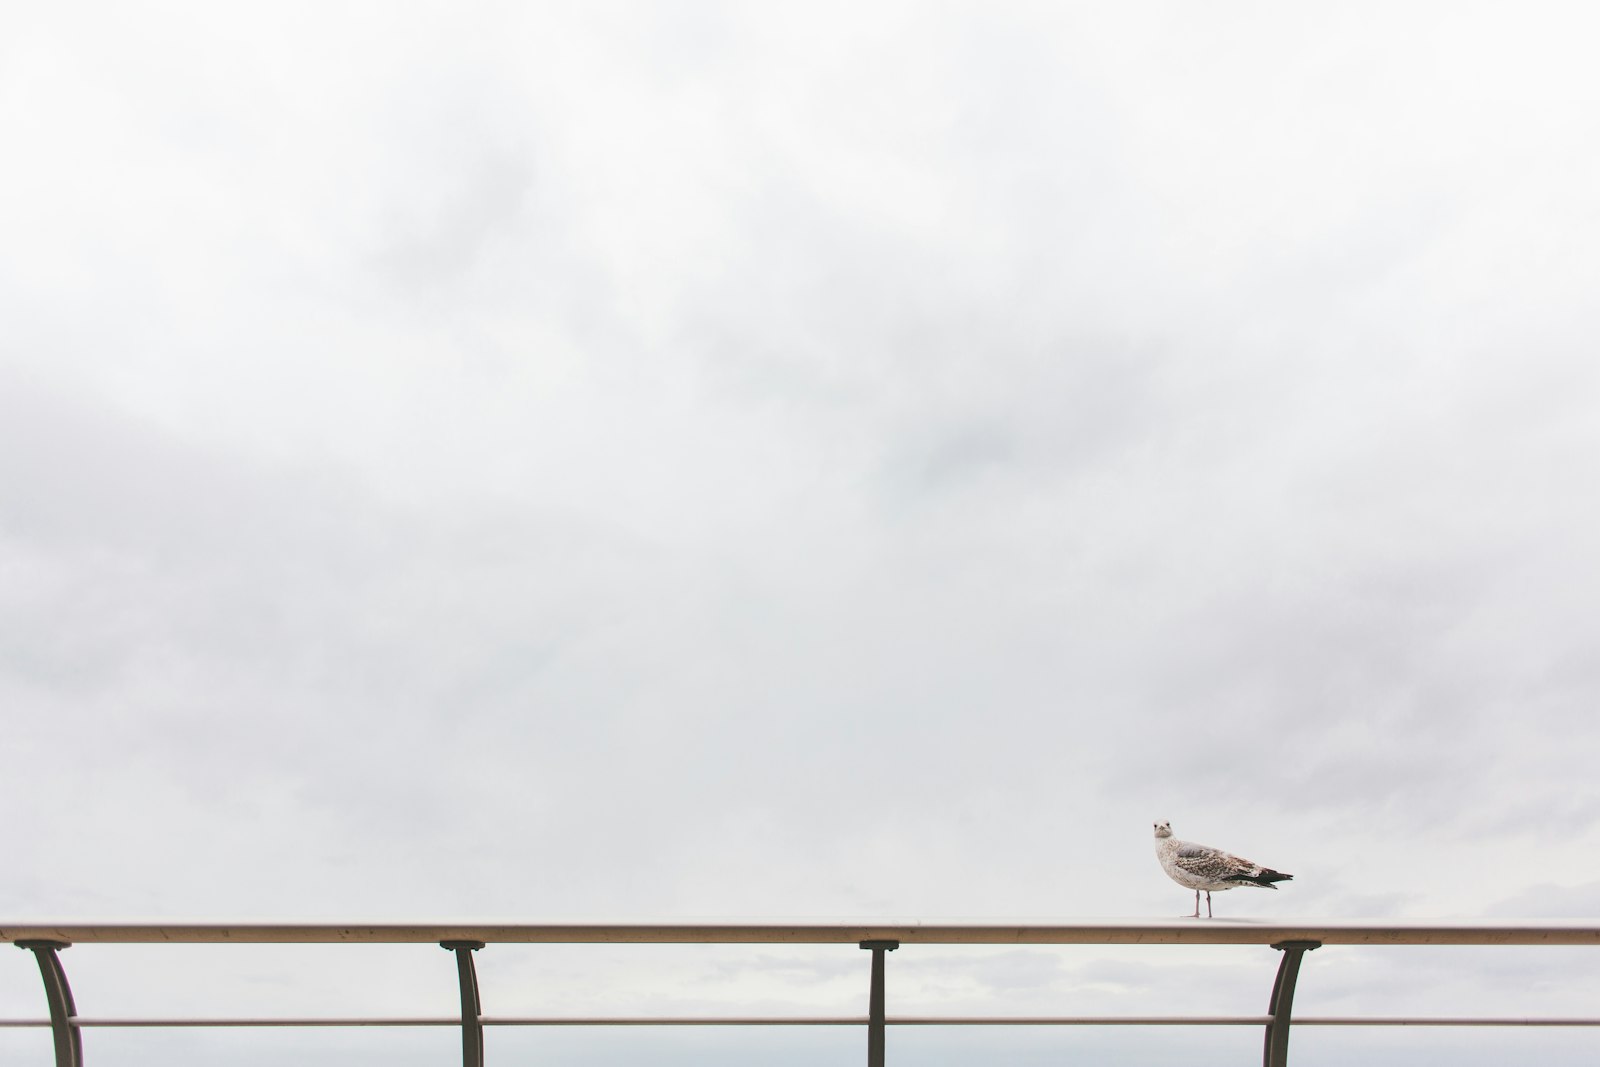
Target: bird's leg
1208,905
1197,903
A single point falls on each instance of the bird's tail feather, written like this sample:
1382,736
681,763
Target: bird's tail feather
1264,879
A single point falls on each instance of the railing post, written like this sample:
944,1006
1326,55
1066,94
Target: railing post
69,1043
471,1008
1275,1050
875,1011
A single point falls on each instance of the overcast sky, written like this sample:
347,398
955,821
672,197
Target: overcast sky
656,461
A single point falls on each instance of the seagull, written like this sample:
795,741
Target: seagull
1198,867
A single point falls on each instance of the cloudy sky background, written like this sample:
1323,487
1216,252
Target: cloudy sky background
628,461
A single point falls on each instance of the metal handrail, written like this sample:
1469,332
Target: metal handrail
803,1020
811,932
1291,939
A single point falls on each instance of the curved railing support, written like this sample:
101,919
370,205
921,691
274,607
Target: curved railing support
69,1043
875,1001
471,1008
1275,1051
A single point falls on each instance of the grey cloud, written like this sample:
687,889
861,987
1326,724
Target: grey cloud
1548,900
447,237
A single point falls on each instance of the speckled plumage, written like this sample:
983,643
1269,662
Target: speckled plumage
1209,870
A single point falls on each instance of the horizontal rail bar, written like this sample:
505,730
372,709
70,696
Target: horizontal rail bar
619,1020
657,1020
1229,1020
1082,1020
1356,1020
1111,932
91,1021
780,1020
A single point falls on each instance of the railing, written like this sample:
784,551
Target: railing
1292,940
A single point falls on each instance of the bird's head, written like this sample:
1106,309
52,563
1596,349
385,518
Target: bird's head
1163,829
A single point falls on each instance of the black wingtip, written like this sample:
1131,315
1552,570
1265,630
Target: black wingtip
1264,879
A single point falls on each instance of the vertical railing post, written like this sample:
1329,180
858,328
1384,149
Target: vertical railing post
69,1043
471,1008
1275,1050
875,1001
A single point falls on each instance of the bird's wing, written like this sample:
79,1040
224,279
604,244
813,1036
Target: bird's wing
1211,862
